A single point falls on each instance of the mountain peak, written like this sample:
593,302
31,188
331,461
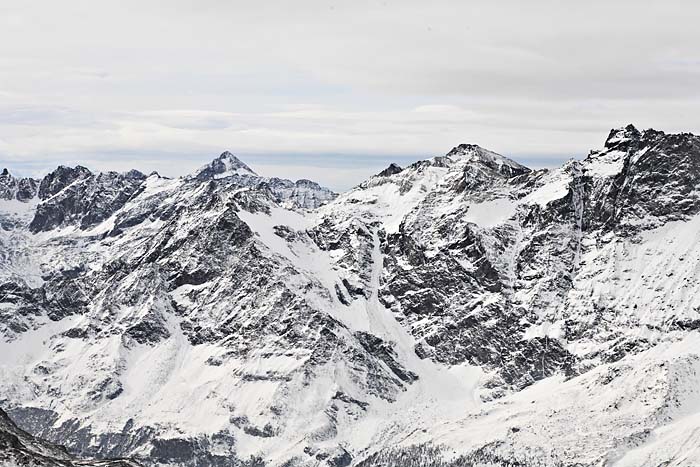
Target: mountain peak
60,178
391,170
629,136
225,165
495,161
620,135
11,187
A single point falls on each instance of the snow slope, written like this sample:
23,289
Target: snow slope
464,310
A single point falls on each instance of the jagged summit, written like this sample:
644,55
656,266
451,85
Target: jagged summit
20,189
426,317
495,161
226,165
60,178
625,132
623,135
629,142
301,194
622,138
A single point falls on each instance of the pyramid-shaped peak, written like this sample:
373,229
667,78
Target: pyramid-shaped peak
231,162
226,165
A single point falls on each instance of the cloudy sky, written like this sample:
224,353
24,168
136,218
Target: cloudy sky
335,90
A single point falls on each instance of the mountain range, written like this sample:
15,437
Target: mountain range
464,310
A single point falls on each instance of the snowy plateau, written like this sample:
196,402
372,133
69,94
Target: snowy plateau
462,311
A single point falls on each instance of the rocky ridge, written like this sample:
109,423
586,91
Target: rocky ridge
463,310
20,449
20,189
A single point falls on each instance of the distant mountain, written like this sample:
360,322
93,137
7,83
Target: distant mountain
19,189
463,310
299,194
226,165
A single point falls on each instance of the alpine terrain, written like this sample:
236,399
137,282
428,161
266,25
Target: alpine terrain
462,311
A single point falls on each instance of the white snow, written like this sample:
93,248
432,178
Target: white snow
385,199
262,224
649,281
556,187
18,208
607,164
545,329
234,171
644,283
491,213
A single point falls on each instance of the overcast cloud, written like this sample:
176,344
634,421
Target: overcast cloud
335,90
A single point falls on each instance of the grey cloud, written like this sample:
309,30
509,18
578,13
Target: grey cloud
169,83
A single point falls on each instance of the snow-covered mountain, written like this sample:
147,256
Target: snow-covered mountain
19,189
300,194
464,310
19,448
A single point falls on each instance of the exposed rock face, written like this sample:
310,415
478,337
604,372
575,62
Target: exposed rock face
75,196
300,194
226,165
20,189
20,449
463,310
393,169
